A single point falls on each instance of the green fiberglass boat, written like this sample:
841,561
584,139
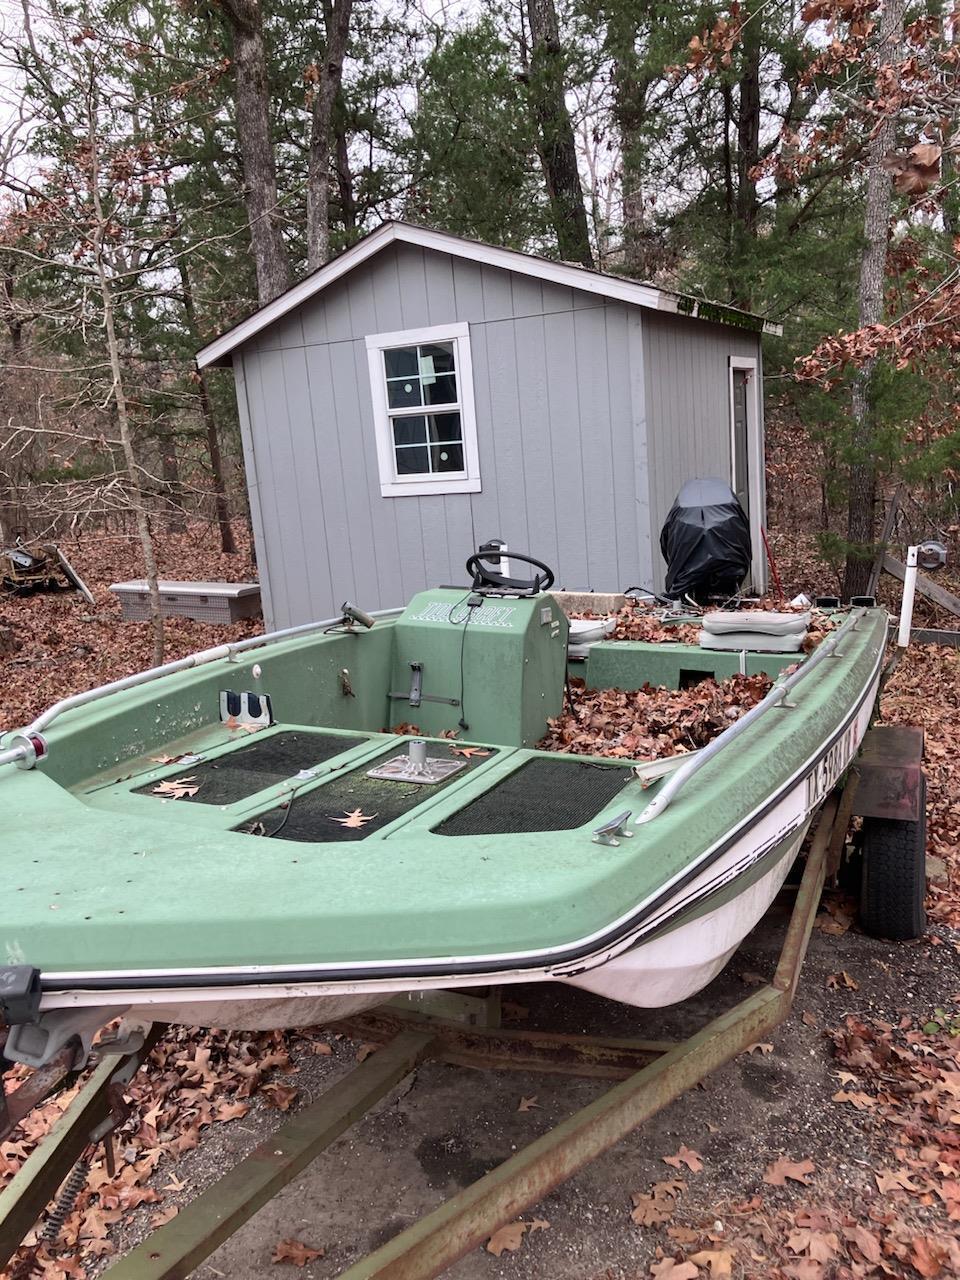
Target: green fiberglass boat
238,839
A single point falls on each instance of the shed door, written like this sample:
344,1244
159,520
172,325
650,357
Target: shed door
741,470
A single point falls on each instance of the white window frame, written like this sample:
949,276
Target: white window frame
393,485
755,462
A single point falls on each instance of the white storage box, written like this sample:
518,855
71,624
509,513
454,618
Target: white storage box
201,601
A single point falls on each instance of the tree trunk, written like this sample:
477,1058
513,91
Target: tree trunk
348,199
557,147
748,155
326,91
252,101
862,480
630,90
119,396
227,542
175,515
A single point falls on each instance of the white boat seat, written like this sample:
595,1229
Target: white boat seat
757,629
587,631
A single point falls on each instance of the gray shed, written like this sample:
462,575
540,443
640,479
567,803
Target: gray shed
423,393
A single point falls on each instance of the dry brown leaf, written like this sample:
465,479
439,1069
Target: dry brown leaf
507,1239
776,1174
843,979
468,752
354,818
929,1257
683,1235
176,788
668,1269
685,1156
751,978
895,1180
862,1101
365,1050
231,1111
164,1215
295,1252
866,1242
280,1096
720,1261
759,1047
528,1104
808,1019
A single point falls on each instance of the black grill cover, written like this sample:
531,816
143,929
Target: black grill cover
705,541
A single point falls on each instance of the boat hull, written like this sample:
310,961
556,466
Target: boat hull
647,921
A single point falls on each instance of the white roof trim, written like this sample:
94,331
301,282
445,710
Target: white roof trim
595,282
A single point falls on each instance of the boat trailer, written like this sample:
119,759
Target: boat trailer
410,1031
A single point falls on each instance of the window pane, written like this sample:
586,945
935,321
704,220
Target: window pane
447,457
412,430
401,362
443,390
412,461
445,427
441,353
401,393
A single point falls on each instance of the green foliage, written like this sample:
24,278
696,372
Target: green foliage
472,147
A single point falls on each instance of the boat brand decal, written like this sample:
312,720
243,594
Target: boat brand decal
828,769
490,615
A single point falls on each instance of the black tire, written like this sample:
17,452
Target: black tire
894,881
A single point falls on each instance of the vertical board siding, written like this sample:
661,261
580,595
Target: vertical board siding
250,462
686,392
590,415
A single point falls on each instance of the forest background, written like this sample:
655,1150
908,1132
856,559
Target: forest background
166,167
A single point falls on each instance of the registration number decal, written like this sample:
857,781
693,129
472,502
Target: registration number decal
828,769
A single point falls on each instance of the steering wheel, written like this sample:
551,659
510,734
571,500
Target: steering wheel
483,577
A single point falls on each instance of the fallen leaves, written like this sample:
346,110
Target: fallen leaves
838,981
719,1261
176,788
280,1096
354,818
509,1238
777,1174
295,1252
469,753
528,1104
654,1207
669,1269
685,1156
649,723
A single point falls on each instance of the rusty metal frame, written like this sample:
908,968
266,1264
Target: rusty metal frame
651,1073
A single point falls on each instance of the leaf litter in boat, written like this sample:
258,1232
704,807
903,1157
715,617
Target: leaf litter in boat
468,752
354,818
176,788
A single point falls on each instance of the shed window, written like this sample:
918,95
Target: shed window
422,387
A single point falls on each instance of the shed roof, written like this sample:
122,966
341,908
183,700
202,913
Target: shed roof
601,283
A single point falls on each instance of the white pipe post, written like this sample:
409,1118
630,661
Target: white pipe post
909,591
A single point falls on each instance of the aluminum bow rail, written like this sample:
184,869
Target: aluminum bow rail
651,1074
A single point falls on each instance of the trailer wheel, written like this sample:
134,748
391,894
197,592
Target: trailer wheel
894,879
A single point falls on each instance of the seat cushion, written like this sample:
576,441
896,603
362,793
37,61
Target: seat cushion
763,622
755,641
